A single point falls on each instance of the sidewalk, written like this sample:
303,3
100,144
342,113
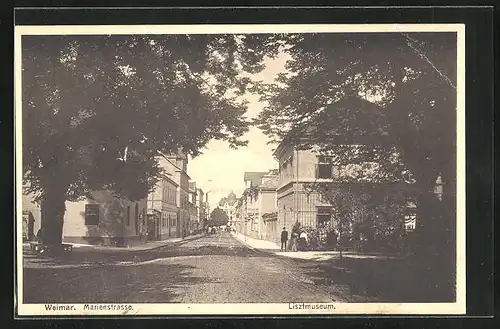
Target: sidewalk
256,243
273,248
150,245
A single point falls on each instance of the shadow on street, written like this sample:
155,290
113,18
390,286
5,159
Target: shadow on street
386,280
106,284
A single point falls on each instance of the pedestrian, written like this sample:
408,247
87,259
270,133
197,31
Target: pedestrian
303,240
40,236
294,241
284,239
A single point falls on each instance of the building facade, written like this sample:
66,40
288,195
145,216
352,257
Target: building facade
162,204
181,178
267,207
299,167
228,205
31,217
201,206
294,203
104,219
258,202
194,221
100,219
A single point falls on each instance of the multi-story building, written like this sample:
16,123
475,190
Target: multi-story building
259,199
201,206
268,207
193,207
162,203
181,178
239,211
298,167
228,205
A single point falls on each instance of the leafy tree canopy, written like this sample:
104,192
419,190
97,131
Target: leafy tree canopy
388,98
98,110
218,217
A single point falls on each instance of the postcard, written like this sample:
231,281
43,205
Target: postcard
240,169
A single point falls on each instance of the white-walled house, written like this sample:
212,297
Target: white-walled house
102,219
105,219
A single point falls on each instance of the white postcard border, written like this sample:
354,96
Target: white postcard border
459,307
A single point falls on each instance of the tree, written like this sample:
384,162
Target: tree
99,110
384,98
218,217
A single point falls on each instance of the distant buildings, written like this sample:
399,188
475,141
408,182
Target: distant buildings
194,221
256,209
201,207
228,205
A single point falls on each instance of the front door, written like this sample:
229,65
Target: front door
153,230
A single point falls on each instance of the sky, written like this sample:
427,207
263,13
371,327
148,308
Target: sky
220,170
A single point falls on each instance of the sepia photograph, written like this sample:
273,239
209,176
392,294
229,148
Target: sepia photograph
240,169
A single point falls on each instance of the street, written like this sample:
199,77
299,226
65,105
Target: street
211,269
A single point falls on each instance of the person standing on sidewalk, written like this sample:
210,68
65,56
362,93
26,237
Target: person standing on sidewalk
303,241
294,241
284,239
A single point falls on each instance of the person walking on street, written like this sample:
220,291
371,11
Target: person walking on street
284,239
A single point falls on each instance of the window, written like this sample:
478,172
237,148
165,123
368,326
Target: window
323,216
144,217
128,215
324,167
91,214
410,216
136,218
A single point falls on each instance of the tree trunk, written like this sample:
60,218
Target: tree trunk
52,211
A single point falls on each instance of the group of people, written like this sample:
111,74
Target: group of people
298,241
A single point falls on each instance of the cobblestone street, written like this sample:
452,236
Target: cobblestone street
211,269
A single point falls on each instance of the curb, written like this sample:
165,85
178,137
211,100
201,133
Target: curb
146,249
274,253
254,248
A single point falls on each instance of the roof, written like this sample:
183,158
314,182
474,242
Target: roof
271,184
230,199
255,177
